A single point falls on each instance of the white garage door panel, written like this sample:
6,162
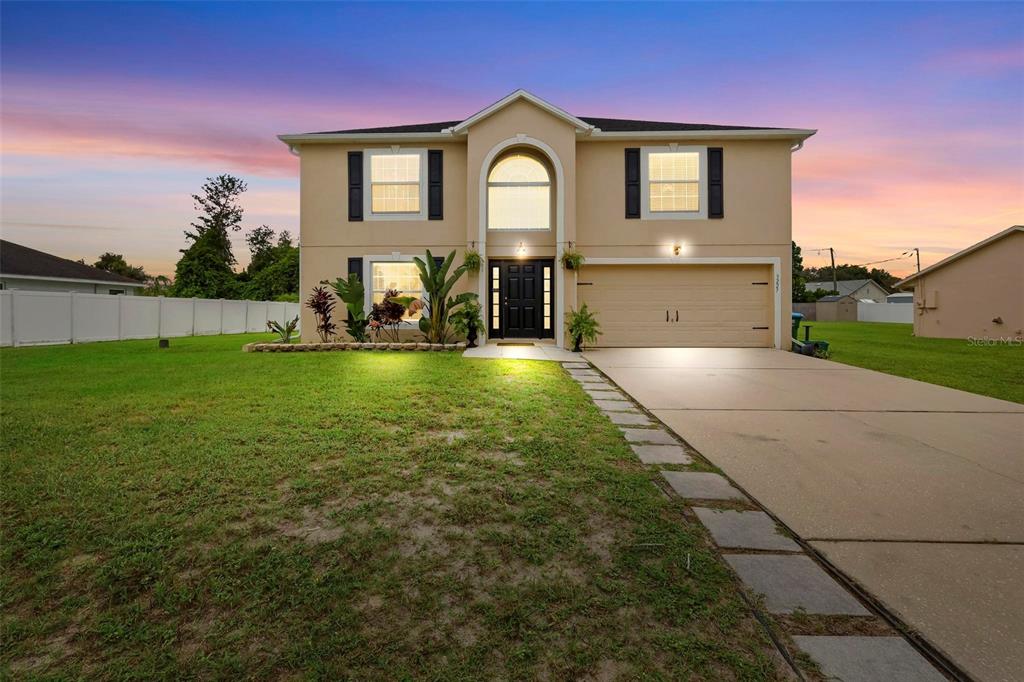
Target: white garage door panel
716,305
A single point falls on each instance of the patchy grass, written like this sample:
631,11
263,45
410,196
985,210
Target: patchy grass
199,512
996,371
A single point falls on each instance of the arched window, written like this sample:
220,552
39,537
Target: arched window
519,194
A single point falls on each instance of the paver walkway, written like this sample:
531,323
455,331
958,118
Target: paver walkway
915,491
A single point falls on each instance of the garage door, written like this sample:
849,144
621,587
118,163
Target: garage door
680,305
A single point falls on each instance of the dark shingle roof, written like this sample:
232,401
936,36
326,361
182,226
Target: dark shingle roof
615,125
846,286
606,124
16,259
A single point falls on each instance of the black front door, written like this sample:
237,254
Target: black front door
521,299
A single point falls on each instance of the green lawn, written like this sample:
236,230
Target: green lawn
996,371
200,512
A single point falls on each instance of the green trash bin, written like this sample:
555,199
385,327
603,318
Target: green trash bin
797,318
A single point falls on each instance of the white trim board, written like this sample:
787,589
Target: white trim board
556,162
580,125
773,261
75,280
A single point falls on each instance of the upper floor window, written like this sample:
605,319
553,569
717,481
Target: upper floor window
397,184
674,182
519,194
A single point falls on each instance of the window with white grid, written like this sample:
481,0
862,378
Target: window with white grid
519,194
674,182
403,277
395,183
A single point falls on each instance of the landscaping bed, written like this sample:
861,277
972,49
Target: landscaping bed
277,347
196,512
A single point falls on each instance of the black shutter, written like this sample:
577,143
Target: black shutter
354,265
435,187
633,183
716,194
355,185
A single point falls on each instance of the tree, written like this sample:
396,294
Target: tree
115,263
205,269
273,271
158,285
799,288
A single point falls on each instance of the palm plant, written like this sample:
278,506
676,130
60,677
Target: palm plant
582,326
351,293
284,331
436,305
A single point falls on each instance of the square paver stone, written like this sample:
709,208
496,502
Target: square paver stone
602,393
591,381
794,581
657,436
580,373
868,659
701,485
576,365
615,405
744,530
661,454
633,418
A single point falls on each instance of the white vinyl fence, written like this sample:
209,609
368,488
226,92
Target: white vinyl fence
53,317
885,312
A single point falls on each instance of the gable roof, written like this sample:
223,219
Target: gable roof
960,254
21,261
833,298
515,97
588,126
845,286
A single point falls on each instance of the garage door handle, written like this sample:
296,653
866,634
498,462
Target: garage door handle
666,316
677,316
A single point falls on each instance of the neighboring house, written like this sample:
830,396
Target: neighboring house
900,297
860,289
28,269
686,228
977,292
842,308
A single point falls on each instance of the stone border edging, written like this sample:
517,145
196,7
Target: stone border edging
348,345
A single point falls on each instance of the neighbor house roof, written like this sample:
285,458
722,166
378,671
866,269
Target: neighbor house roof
833,298
845,286
585,125
21,261
960,254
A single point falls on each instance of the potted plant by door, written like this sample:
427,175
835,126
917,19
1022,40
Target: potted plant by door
582,326
467,322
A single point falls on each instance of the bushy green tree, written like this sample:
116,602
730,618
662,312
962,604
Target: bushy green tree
273,270
115,263
206,266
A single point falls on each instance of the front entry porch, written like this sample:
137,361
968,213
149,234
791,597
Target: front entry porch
522,349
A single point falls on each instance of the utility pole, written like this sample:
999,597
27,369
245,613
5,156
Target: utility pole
918,252
835,285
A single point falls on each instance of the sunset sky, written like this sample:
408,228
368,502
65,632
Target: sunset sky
113,114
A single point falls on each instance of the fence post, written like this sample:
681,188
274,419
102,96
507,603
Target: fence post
74,338
159,317
193,317
14,310
222,316
245,329
120,317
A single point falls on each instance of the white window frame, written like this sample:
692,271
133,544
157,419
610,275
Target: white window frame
489,184
702,183
368,262
368,213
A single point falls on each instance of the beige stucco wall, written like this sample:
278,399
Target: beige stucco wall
961,299
757,222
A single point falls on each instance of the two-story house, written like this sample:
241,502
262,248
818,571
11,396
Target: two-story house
686,228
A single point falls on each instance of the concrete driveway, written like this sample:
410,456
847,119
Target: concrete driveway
913,490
